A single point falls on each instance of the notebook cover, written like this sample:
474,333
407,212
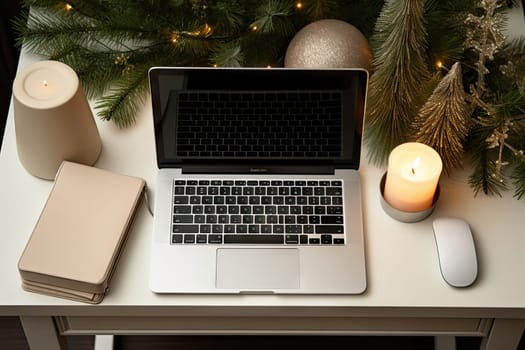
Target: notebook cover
77,239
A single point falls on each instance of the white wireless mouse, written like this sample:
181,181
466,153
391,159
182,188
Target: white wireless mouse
456,251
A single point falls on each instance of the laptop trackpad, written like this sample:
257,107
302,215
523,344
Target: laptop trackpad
257,269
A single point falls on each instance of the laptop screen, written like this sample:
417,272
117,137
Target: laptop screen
258,118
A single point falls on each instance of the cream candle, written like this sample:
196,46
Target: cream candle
412,177
53,120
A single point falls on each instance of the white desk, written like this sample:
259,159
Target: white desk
405,295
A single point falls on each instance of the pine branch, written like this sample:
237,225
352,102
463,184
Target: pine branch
446,17
360,13
443,121
518,179
482,178
94,69
43,32
228,55
127,93
399,68
508,68
497,142
273,17
321,9
124,99
227,17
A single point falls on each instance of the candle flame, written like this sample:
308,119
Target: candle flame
44,82
415,165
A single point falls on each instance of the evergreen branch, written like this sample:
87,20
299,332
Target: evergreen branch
446,17
228,55
272,55
518,180
399,68
483,177
321,9
127,93
361,13
93,9
443,121
48,32
44,31
95,69
124,99
228,17
273,17
497,141
52,27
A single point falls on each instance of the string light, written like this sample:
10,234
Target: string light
439,64
68,7
254,28
299,5
206,31
174,38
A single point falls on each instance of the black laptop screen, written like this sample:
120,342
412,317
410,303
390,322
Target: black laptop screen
260,118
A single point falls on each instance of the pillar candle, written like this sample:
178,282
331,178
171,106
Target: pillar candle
53,120
412,177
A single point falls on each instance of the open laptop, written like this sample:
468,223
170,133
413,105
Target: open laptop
257,189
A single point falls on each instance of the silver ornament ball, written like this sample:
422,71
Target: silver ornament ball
328,43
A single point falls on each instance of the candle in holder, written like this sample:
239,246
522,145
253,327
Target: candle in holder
412,177
53,120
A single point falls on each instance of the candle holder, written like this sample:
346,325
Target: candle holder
53,120
405,216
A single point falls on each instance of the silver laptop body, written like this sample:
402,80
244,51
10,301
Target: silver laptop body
273,152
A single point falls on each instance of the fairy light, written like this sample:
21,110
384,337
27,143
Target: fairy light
439,64
206,31
68,7
298,5
174,38
254,28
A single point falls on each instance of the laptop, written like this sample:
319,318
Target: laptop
258,190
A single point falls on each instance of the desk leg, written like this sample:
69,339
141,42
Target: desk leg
41,333
104,342
444,342
505,334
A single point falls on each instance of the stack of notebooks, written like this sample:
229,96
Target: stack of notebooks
77,240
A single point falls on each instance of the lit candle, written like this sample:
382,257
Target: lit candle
53,120
412,177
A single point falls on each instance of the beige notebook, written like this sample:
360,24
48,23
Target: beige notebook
77,240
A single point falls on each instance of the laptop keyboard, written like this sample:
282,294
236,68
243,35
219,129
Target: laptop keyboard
308,212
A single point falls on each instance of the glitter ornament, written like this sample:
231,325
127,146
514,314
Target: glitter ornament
328,43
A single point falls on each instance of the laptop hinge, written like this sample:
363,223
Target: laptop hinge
243,169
